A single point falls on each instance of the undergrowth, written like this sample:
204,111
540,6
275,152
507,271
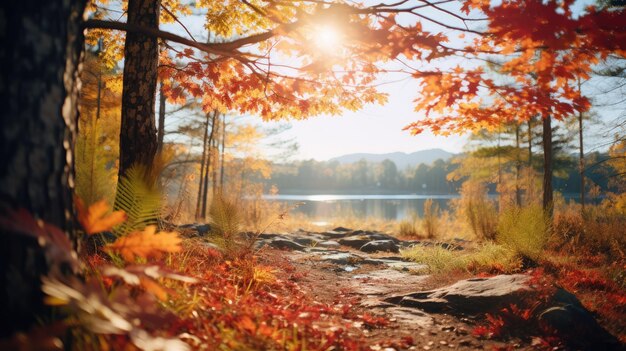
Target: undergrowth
487,257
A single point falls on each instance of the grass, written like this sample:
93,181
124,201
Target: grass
488,257
524,230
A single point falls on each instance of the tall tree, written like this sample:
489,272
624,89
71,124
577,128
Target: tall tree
138,136
41,44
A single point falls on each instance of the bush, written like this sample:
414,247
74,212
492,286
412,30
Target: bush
479,212
525,230
430,223
488,257
602,229
407,229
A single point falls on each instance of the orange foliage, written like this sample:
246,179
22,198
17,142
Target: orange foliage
96,218
146,244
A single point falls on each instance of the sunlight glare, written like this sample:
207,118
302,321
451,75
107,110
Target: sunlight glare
326,38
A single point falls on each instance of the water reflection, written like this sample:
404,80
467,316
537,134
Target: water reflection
388,207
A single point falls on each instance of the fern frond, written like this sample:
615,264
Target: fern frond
225,218
140,197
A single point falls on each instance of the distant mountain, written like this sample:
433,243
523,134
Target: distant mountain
401,159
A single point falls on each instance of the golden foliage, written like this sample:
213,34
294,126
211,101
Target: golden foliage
146,244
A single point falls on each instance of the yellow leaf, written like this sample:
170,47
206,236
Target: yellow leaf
95,219
146,244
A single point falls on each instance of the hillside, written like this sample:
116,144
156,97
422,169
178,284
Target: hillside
401,159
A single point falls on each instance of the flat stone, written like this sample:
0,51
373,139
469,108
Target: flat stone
468,297
285,244
380,245
355,242
329,243
341,258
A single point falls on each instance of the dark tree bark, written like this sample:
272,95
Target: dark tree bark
547,166
41,47
161,130
138,142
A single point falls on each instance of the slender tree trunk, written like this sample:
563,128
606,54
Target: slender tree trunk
518,167
202,165
223,152
581,161
215,161
530,144
138,142
547,166
161,130
208,165
581,157
41,48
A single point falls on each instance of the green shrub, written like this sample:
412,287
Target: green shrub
436,258
525,230
487,257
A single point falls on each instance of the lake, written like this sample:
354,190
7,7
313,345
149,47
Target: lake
387,207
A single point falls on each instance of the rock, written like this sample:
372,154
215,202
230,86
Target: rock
309,239
355,242
342,229
342,258
280,243
203,229
267,236
191,230
373,235
329,243
569,317
380,245
334,234
468,297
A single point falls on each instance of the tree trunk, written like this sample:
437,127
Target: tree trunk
222,156
581,161
530,144
518,167
138,143
161,130
42,44
581,157
216,151
208,166
202,165
547,166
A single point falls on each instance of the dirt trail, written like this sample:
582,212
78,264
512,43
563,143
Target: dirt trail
333,272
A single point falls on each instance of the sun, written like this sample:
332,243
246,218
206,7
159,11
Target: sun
326,38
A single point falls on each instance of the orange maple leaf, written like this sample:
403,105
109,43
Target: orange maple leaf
146,244
95,218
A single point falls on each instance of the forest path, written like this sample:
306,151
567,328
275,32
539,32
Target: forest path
365,270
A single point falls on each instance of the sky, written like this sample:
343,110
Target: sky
374,129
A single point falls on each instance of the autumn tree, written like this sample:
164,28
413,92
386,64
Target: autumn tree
545,48
138,139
